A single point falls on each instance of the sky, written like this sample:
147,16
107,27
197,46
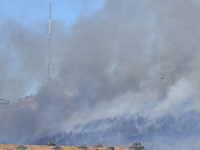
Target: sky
28,14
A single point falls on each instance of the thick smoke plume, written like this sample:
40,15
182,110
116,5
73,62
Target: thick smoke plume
131,57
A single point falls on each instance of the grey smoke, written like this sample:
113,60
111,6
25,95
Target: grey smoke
23,62
112,62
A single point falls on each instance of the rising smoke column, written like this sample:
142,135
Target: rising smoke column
113,62
119,56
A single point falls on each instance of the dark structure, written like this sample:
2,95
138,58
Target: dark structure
4,101
51,68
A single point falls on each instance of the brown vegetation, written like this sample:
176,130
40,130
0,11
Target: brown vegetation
42,147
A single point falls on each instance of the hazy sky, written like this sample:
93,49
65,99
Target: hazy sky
103,49
27,12
32,16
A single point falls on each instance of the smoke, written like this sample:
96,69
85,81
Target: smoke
133,53
22,60
130,57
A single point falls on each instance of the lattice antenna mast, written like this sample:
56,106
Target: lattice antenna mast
51,68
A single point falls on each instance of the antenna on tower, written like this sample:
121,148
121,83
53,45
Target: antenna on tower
50,29
50,59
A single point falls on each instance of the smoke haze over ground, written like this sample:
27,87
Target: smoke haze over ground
130,57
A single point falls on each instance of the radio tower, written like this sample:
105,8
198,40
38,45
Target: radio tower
51,69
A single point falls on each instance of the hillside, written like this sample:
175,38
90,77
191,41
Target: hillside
169,131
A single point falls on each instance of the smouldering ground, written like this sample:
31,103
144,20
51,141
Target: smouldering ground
41,147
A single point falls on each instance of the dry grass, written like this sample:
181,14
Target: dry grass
41,147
